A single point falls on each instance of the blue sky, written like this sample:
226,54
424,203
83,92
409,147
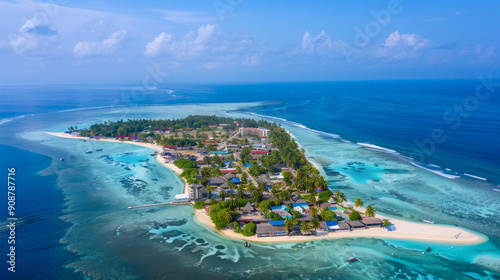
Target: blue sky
120,42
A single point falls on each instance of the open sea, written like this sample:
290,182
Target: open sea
412,149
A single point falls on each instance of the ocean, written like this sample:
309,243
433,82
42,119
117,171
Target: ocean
412,149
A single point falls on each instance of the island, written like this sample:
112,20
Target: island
250,180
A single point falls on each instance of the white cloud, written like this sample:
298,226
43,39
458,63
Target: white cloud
321,44
107,46
159,44
191,45
204,33
31,34
412,40
398,46
253,60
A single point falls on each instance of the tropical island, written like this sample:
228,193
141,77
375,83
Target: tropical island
250,180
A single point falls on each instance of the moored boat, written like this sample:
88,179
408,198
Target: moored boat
353,258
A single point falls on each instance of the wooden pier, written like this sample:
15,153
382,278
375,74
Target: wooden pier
159,204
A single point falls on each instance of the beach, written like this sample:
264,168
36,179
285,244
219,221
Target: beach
405,230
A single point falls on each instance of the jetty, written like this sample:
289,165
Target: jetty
159,204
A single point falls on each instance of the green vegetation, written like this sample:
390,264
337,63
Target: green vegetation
386,223
370,212
328,215
324,196
199,204
358,202
249,229
185,163
220,213
354,216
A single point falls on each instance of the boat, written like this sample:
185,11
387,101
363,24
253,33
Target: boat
153,154
353,258
88,152
430,221
98,150
61,159
428,249
247,244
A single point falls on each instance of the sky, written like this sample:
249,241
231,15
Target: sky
64,42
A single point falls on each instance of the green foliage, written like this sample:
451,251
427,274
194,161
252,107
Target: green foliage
315,224
288,225
386,223
265,206
296,214
185,163
354,216
219,213
328,215
325,196
358,202
249,229
370,212
287,175
199,204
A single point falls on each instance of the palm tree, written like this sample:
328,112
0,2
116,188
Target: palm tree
304,227
337,194
315,224
358,202
209,190
342,197
370,212
288,225
314,212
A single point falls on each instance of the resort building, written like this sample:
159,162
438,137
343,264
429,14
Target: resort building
371,222
250,131
197,191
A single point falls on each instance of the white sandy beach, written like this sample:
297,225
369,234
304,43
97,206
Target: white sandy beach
404,229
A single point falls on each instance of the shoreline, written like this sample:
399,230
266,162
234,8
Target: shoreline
405,230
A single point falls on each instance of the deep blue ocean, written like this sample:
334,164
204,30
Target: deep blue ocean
73,223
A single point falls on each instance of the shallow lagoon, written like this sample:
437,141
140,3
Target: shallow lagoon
114,242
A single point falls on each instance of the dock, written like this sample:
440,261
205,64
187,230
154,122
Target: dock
159,204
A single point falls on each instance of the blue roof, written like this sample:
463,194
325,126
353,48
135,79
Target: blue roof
235,180
332,223
277,223
282,207
223,152
295,204
320,191
247,164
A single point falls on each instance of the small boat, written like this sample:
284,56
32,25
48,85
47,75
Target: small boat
353,258
430,221
61,159
84,140
98,150
88,152
154,154
428,249
247,244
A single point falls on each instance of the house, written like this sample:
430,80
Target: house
371,222
216,181
235,180
197,191
249,208
343,226
181,198
266,229
265,180
357,225
228,170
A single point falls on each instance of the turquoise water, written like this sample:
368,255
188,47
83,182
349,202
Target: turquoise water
168,242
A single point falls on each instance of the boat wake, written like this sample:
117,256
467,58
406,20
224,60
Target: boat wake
436,169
